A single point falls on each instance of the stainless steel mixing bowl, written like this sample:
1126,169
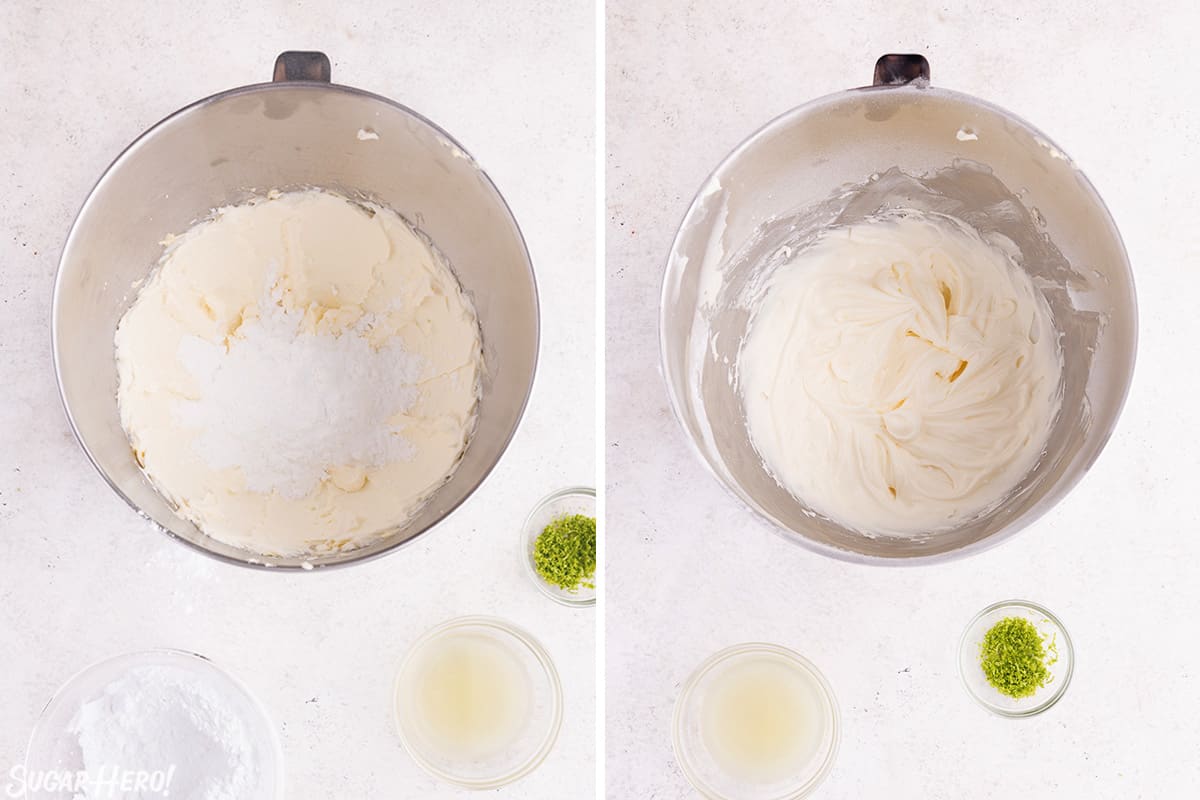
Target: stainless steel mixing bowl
969,158
298,131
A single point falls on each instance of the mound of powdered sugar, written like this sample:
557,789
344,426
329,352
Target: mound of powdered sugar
163,718
285,404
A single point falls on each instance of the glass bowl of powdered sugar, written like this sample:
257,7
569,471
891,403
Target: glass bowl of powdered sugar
158,723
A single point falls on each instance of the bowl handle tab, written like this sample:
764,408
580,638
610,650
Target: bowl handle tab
302,65
897,69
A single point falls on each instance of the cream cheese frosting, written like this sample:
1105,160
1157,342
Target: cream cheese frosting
300,373
900,375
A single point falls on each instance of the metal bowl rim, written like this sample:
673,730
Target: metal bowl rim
796,115
251,559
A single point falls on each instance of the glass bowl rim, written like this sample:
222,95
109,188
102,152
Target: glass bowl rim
756,648
539,653
274,745
552,591
1063,680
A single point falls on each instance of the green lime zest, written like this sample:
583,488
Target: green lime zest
565,552
1014,658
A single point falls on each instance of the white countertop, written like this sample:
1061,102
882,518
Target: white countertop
691,571
83,578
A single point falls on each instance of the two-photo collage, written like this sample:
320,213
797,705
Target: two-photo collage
599,400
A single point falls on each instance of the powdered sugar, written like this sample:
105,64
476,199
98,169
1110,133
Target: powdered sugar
287,405
164,718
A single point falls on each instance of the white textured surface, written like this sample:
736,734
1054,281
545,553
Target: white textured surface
81,577
690,571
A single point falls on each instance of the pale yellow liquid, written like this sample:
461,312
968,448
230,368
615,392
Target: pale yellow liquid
471,696
762,720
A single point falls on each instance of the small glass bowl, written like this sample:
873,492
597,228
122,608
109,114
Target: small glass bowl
701,768
565,502
538,735
52,748
1053,634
